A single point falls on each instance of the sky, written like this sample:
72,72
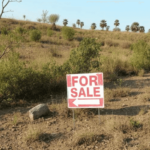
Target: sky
87,11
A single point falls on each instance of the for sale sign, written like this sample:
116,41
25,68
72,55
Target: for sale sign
85,90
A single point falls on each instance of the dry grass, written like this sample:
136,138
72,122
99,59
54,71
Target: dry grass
33,133
87,138
112,94
141,73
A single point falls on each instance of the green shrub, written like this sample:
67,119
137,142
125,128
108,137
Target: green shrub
20,30
35,35
68,33
49,32
19,82
83,59
4,31
141,55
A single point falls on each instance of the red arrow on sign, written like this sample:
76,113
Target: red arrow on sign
83,102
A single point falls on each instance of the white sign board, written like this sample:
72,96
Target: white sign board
85,90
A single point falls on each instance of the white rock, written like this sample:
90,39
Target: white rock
38,111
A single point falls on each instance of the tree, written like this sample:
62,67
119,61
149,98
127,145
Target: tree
74,25
53,18
4,6
39,20
107,28
127,28
81,24
44,16
116,23
135,27
78,22
93,26
65,22
141,29
103,24
149,30
24,16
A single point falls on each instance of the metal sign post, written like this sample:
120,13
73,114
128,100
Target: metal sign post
99,115
73,120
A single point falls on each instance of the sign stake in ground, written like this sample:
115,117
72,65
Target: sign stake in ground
99,115
85,90
73,120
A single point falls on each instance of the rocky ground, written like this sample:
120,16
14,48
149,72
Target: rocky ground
122,124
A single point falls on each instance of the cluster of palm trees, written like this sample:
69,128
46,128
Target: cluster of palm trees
103,24
65,22
135,27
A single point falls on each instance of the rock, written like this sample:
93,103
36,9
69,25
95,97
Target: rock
38,111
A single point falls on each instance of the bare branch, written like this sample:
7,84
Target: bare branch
3,6
4,52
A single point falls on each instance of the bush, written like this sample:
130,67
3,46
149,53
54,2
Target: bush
35,35
49,32
141,55
4,31
83,59
20,30
113,67
19,82
68,33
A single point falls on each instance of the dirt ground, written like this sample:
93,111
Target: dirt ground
124,123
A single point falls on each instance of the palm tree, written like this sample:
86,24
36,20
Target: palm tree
65,22
39,20
103,24
116,23
135,27
93,26
78,22
74,25
141,29
81,24
127,28
107,28
24,16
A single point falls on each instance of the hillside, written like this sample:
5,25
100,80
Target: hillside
28,78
